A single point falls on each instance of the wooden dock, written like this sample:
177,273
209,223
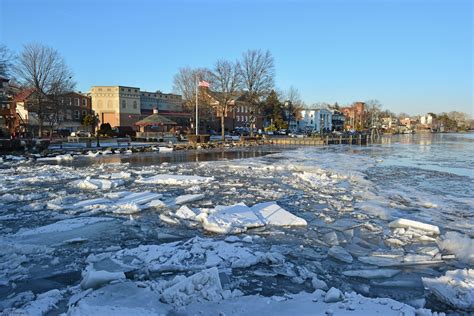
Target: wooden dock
321,141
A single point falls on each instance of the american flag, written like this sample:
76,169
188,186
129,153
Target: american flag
204,84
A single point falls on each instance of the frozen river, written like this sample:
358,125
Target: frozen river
212,232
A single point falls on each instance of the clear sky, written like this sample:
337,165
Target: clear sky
414,56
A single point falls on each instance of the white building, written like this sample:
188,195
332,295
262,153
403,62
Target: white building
315,120
426,119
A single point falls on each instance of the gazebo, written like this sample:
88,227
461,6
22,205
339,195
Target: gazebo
154,126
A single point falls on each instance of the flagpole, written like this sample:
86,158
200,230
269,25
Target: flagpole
197,122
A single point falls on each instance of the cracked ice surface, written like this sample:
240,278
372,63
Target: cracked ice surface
294,222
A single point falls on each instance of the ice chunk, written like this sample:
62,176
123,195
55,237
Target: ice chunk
455,288
64,225
95,279
42,304
97,184
319,284
56,158
165,149
340,254
157,204
460,245
371,274
380,261
175,179
184,212
186,198
233,219
273,214
407,223
333,295
204,285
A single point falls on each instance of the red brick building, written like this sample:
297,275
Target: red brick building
354,116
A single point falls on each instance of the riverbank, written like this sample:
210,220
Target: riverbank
389,221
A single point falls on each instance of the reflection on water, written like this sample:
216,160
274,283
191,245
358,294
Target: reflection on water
153,158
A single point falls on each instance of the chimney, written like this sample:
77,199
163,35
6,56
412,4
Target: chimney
155,111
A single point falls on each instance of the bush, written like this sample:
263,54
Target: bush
106,129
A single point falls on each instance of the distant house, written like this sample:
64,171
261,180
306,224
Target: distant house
429,122
408,122
338,120
315,120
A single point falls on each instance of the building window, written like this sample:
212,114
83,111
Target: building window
238,118
84,112
68,115
109,104
69,101
128,90
99,104
84,102
135,104
76,114
124,104
76,101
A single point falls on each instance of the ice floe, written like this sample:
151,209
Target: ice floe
458,244
174,179
427,229
455,288
97,184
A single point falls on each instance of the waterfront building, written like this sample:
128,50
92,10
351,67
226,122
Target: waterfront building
116,105
315,120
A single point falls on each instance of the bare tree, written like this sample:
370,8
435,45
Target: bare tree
6,61
42,68
373,110
293,104
185,83
258,72
225,82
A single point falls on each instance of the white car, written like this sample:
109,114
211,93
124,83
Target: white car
81,134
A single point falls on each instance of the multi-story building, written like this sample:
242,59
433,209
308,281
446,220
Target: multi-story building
338,120
116,105
64,112
73,108
315,120
239,113
163,102
355,115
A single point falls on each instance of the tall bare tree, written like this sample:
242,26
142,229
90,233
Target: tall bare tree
293,104
225,82
373,110
258,72
42,68
184,83
6,61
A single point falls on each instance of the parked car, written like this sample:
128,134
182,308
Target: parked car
81,134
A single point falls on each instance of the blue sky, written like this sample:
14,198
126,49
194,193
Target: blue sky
414,56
